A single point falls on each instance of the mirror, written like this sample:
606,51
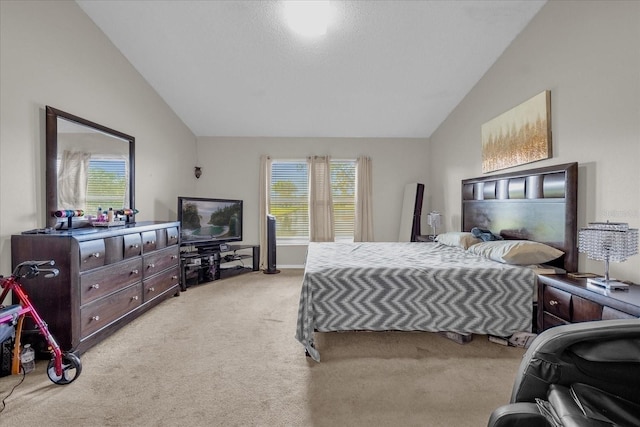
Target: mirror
87,166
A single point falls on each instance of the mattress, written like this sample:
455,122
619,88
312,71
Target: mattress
410,286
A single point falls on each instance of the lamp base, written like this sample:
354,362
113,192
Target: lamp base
610,284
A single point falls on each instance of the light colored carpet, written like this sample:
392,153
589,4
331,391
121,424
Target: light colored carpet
224,354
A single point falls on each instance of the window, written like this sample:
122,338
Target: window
106,184
289,199
343,192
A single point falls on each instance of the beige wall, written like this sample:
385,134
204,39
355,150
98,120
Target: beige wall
231,169
53,54
587,53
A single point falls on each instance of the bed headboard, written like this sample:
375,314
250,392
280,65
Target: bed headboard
536,204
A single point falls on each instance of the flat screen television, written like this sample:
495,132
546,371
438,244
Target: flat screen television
209,220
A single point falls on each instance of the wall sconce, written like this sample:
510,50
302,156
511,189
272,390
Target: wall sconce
197,172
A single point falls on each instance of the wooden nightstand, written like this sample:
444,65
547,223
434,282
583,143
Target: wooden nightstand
563,300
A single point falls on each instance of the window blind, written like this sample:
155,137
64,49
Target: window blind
289,199
106,184
343,187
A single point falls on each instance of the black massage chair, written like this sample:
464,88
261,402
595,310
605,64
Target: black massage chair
583,374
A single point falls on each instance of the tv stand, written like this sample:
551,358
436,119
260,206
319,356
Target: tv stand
206,262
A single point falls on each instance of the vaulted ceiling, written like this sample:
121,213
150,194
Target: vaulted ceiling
383,68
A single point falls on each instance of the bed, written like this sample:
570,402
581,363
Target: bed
448,286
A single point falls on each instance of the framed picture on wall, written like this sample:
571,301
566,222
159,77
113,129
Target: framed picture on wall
519,136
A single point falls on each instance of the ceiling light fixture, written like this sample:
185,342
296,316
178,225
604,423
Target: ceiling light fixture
308,18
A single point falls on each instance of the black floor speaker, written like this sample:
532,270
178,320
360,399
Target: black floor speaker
271,246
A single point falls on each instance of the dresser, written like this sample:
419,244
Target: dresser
563,299
108,277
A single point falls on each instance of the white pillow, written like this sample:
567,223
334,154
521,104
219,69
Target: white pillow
459,239
521,252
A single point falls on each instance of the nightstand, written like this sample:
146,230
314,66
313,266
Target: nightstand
563,299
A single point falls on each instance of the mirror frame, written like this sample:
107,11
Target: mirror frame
51,170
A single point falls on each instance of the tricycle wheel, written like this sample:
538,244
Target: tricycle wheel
71,368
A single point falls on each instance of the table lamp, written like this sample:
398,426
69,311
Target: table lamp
434,219
608,241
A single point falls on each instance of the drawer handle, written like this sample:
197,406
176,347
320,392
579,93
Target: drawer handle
152,289
554,302
152,265
95,286
151,242
96,318
174,256
174,277
136,246
173,237
134,298
134,271
95,255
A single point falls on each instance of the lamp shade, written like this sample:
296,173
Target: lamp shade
608,241
434,219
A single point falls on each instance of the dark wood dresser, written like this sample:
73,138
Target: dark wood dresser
108,276
563,300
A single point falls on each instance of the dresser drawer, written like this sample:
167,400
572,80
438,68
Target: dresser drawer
113,250
149,241
91,254
103,281
159,283
550,320
172,236
161,239
132,245
609,313
160,260
584,310
557,302
102,312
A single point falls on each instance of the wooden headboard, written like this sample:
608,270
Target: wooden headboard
536,204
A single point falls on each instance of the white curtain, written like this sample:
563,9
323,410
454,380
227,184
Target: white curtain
320,201
363,226
265,184
72,180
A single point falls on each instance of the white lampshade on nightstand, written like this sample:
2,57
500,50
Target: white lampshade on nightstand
608,241
434,219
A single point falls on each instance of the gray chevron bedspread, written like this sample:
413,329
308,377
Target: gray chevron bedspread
410,287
